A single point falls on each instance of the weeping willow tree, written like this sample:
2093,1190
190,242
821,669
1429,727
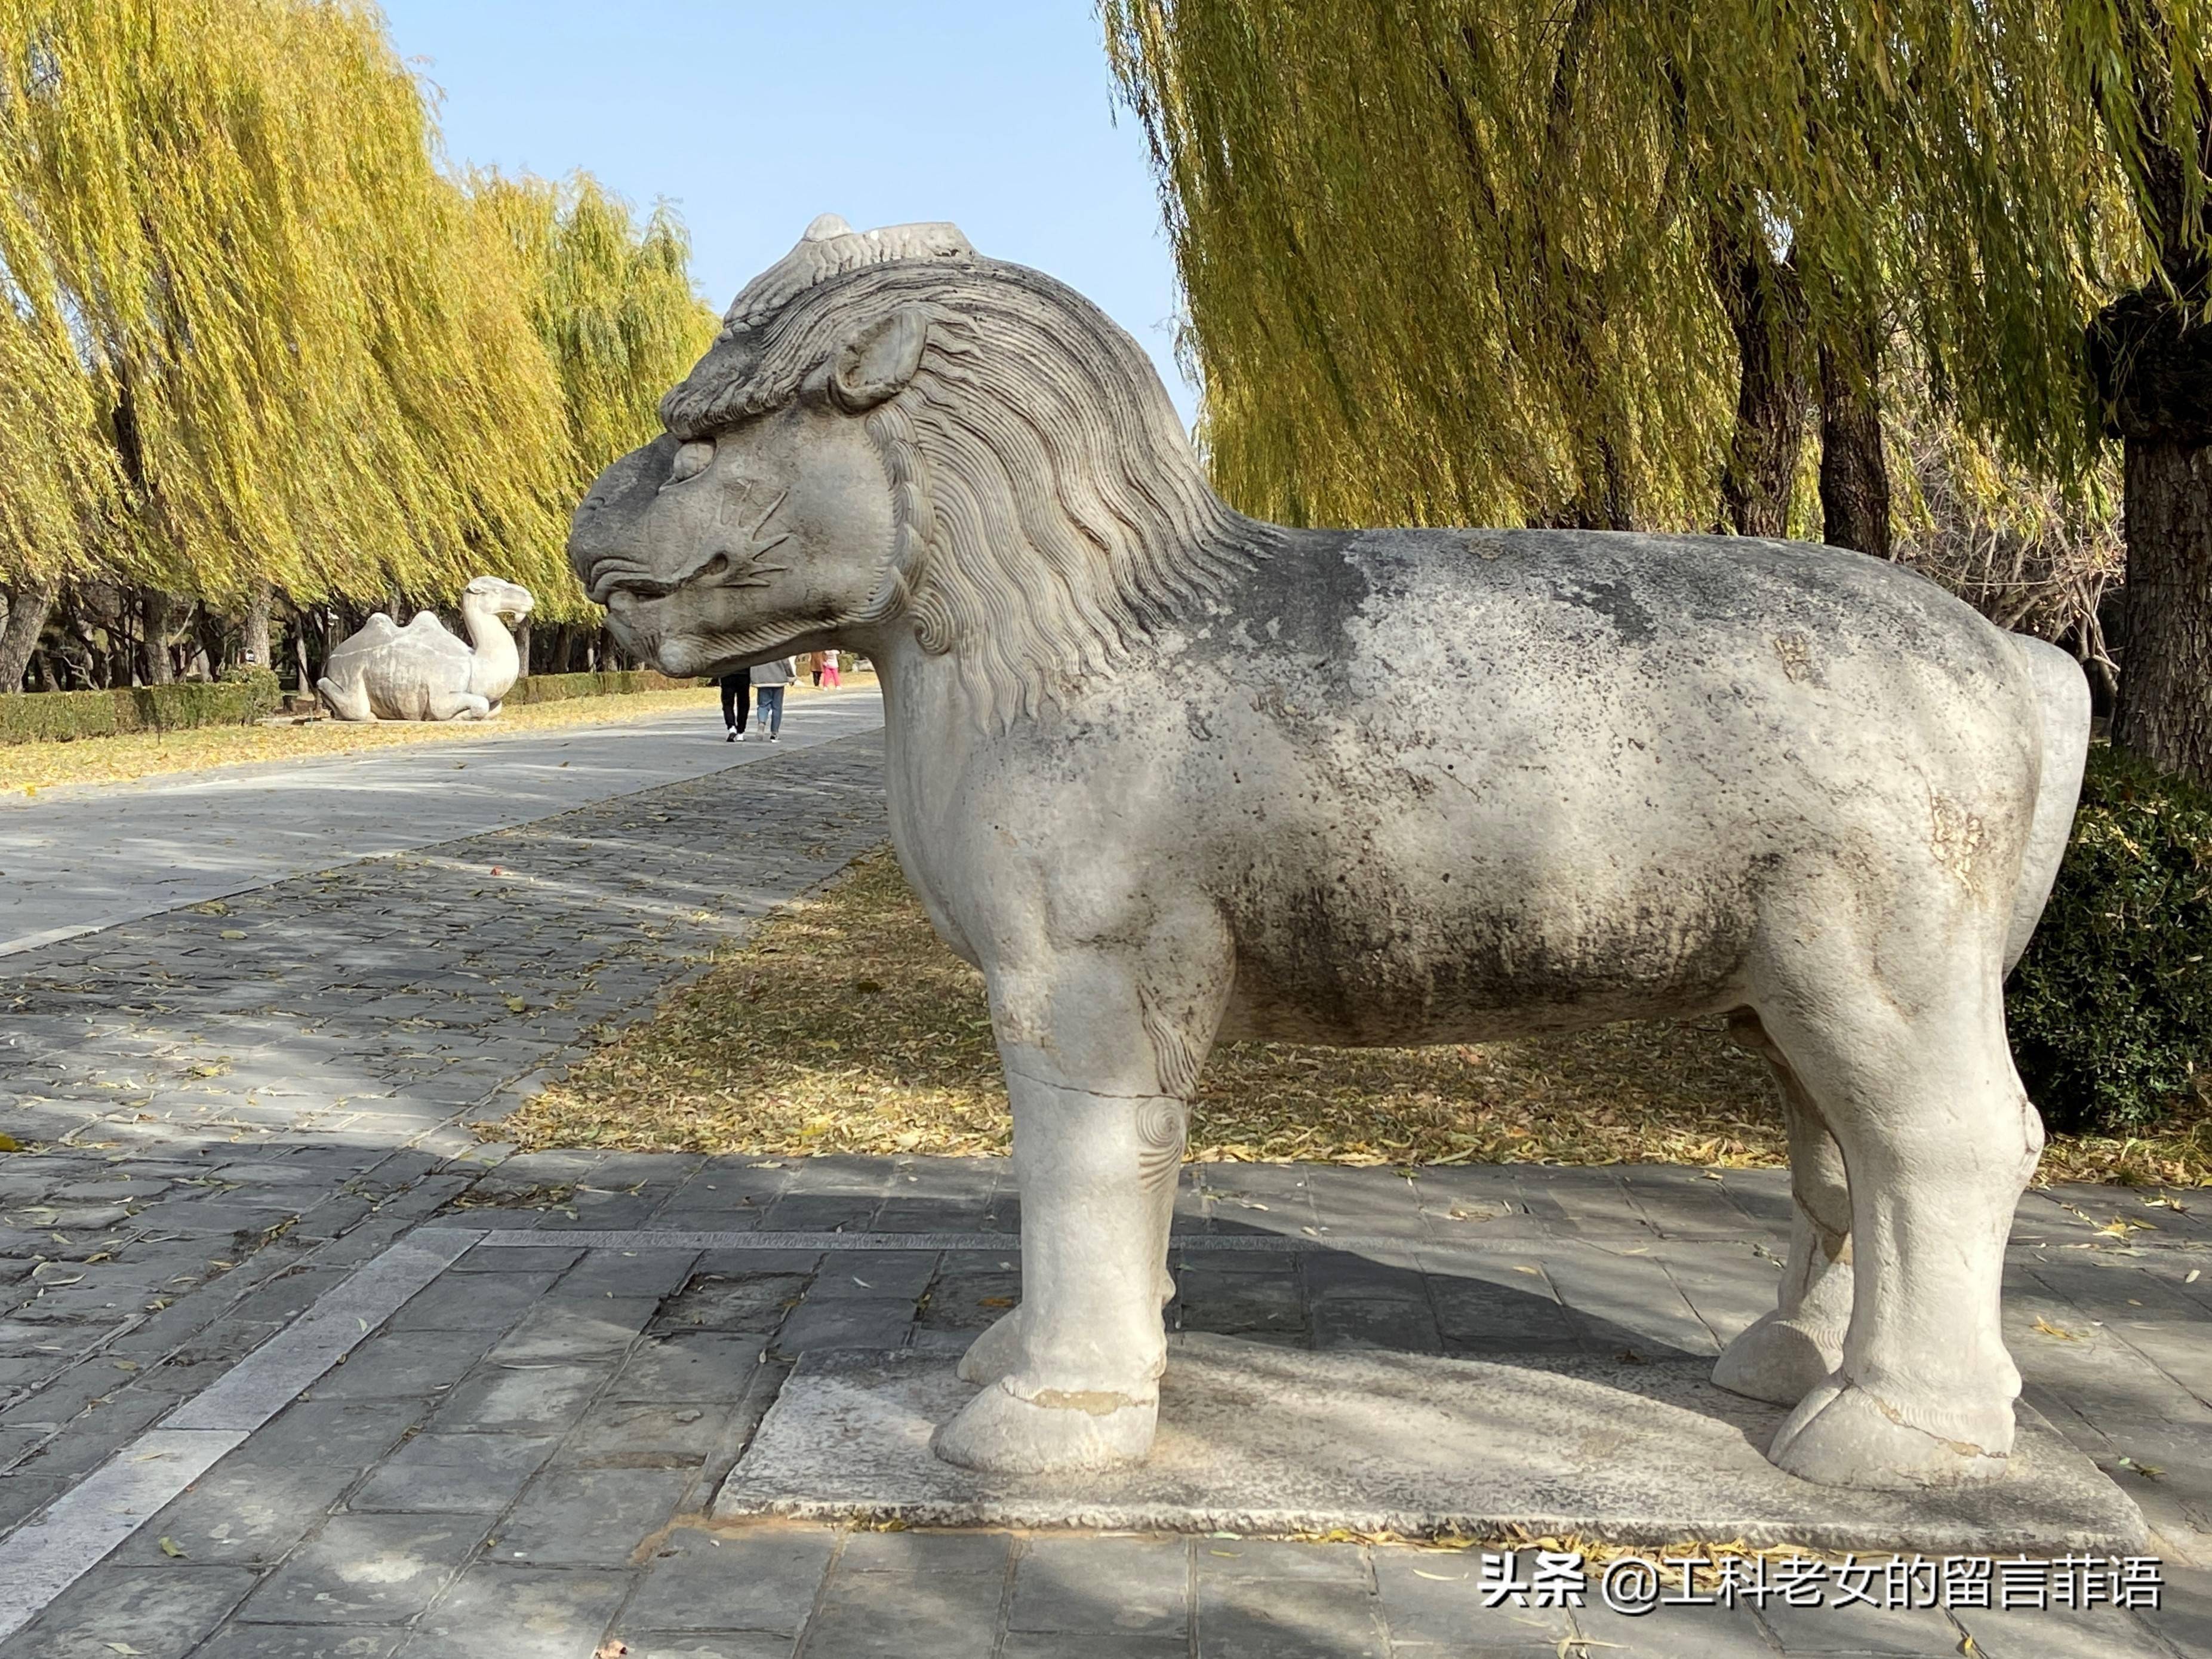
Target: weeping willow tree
257,339
611,299
1581,263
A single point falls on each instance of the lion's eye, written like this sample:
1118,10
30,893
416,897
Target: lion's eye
690,461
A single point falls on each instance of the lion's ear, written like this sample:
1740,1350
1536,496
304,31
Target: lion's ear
875,361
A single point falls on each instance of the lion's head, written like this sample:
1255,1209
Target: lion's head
893,431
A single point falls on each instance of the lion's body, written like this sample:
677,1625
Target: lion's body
1166,774
1408,834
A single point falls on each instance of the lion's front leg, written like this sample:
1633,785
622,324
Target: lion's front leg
1084,1358
1100,1061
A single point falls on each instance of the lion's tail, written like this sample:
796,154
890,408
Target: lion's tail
2062,697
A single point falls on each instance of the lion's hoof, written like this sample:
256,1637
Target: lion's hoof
1842,1436
996,1353
1777,1361
1002,1433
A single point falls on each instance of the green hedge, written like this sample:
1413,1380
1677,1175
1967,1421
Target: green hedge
2111,1010
59,716
609,682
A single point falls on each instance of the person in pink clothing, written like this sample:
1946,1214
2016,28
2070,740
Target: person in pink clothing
830,670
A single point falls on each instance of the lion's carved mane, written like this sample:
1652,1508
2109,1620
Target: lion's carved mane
1051,514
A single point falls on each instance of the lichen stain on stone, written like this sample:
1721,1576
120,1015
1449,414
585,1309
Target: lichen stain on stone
1956,837
1098,1402
1797,654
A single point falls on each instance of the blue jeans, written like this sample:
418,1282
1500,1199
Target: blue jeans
768,711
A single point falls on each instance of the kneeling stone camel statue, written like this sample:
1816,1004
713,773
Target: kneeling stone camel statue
1167,775
422,672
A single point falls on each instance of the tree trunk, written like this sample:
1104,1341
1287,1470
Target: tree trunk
522,644
1761,299
2164,709
255,644
158,611
1854,472
28,602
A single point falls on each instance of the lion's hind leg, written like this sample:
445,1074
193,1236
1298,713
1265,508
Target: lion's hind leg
1785,1354
1920,1093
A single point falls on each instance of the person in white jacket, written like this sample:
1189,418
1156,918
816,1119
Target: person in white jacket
768,680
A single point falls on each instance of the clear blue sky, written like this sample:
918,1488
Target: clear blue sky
752,118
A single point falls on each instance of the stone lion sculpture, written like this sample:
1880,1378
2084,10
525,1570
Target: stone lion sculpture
1167,775
421,671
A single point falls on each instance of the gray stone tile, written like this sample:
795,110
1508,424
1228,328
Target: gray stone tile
522,1258
757,1578
624,1273
905,1615
2184,1617
1237,1303
454,1474
524,1398
1101,1586
590,1518
241,1514
1492,1307
1061,1645
2105,1634
404,1365
1260,1558
857,1323
631,1435
303,1642
1288,1618
504,1612
26,1492
1432,1601
876,1275
1857,1629
333,1433
727,1644
471,1302
969,1554
1706,1633
1397,1323
558,1331
690,1365
161,1612
1627,1301
365,1570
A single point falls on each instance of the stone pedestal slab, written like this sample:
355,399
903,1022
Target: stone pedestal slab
1260,1439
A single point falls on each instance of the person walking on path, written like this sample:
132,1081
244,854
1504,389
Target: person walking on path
814,668
737,695
768,680
830,669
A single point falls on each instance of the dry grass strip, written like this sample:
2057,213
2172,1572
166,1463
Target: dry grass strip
842,1025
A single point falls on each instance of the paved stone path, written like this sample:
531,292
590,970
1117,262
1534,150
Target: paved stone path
79,859
231,1111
